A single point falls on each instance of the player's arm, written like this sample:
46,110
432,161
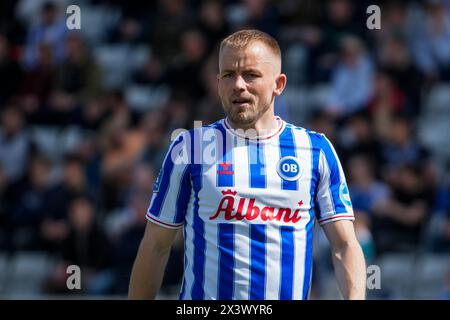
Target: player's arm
151,260
348,259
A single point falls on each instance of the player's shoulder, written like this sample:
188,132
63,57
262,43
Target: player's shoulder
313,135
201,128
188,134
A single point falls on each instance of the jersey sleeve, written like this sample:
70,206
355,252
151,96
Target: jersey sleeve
332,198
171,191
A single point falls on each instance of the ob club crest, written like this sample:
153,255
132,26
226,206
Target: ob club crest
288,168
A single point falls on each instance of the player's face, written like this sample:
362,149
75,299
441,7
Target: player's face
248,81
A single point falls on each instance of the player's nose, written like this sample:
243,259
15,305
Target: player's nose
239,83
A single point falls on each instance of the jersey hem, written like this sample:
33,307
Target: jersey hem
161,223
344,216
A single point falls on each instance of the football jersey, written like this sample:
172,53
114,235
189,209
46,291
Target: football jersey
248,207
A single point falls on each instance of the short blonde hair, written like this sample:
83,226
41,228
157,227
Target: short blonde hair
241,39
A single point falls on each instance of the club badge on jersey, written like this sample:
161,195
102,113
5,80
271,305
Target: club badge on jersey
289,169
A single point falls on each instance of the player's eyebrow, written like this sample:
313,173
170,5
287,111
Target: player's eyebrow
243,70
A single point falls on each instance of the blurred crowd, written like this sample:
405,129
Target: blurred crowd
87,115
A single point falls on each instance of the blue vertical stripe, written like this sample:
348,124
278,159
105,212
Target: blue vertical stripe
308,257
199,231
184,193
315,145
287,148
315,177
225,167
183,285
166,172
257,165
287,262
226,260
257,262
335,176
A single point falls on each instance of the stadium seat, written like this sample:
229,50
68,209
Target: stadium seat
438,101
27,271
298,103
144,98
430,280
55,142
397,274
97,21
3,273
119,61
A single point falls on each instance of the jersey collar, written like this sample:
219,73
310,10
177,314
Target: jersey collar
281,125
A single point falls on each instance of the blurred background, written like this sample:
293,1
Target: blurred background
86,118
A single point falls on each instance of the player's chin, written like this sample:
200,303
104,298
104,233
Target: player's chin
242,117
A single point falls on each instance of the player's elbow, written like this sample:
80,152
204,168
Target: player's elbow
345,246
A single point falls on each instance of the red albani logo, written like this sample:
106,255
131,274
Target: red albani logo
247,209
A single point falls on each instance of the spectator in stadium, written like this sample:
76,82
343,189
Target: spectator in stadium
399,220
94,113
144,176
446,292
400,147
15,144
31,200
212,22
387,95
120,146
37,86
54,228
209,108
77,82
171,17
126,238
3,208
152,126
10,72
442,237
395,60
433,47
357,137
51,29
184,74
352,79
86,246
366,190
262,15
325,42
151,74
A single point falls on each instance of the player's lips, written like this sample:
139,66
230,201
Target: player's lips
241,101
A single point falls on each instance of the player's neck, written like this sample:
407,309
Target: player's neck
266,125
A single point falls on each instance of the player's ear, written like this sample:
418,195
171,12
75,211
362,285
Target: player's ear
280,84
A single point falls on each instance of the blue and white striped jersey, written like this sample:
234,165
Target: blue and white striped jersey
248,208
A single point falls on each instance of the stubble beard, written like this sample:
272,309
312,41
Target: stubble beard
245,117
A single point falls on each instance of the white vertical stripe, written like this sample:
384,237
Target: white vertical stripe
242,229
325,196
189,253
272,155
273,261
241,165
209,177
299,261
305,154
242,261
211,261
169,205
341,171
